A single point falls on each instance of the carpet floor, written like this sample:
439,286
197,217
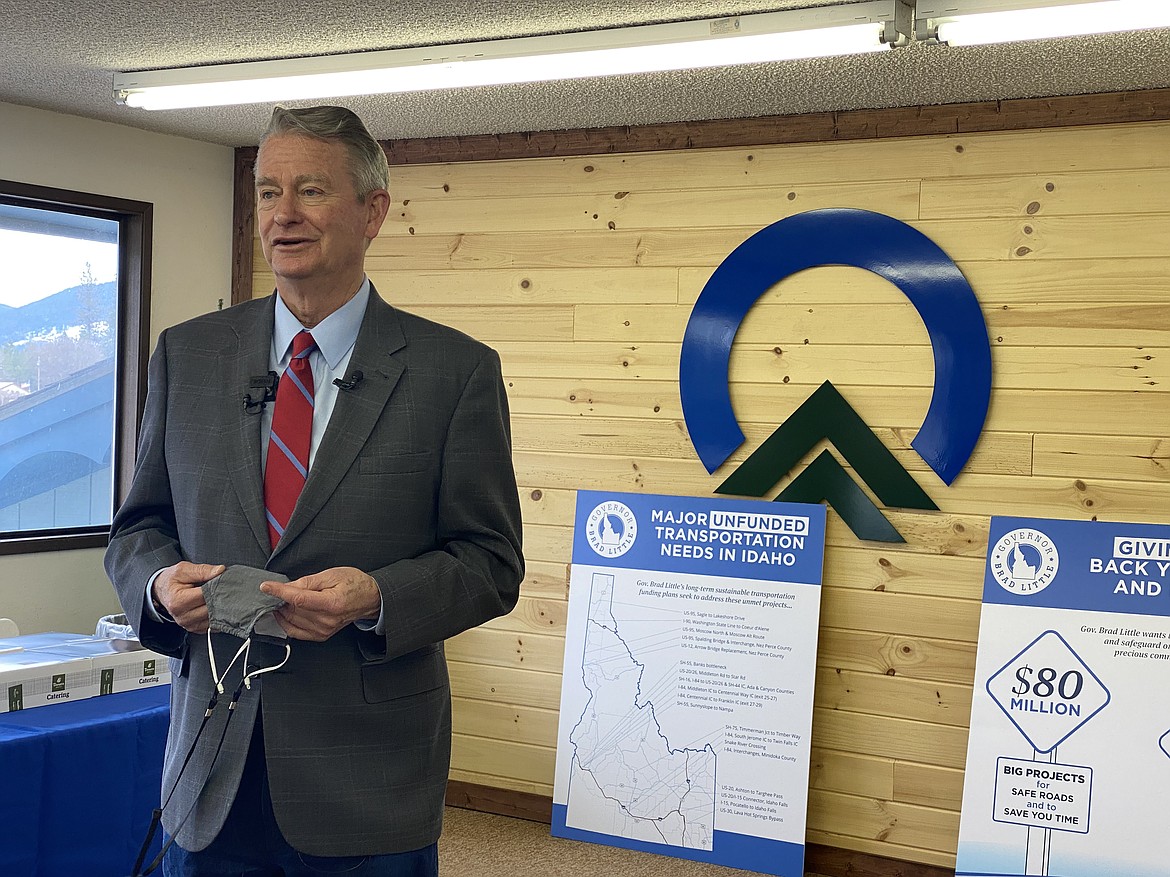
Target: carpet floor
476,844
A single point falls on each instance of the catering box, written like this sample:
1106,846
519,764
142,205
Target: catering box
31,678
118,664
48,668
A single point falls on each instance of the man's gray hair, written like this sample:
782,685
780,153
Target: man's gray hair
367,162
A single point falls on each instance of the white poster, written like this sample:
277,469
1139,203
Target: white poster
690,660
1069,756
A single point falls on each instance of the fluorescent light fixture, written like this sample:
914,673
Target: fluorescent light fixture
982,22
747,39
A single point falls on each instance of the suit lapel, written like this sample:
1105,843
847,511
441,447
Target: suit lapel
356,412
254,345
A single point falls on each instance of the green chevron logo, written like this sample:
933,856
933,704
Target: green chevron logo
826,415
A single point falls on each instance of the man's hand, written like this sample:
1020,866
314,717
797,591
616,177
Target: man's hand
179,590
318,606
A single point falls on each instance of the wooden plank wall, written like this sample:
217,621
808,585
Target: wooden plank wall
582,271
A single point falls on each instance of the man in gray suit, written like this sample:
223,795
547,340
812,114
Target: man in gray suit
405,531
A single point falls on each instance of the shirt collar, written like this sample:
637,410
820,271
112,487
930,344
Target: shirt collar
335,335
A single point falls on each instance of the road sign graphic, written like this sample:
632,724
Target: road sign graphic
1047,691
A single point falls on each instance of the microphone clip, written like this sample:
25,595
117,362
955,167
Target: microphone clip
349,383
268,384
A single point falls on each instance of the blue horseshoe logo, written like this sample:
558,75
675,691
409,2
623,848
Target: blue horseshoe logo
862,239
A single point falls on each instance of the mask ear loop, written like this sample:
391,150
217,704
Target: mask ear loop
248,677
218,679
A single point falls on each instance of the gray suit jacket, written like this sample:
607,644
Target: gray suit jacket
412,483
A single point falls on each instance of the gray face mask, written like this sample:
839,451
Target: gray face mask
236,605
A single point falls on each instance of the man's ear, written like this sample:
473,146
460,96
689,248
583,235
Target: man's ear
377,206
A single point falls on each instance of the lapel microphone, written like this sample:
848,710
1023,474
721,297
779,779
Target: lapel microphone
267,383
347,384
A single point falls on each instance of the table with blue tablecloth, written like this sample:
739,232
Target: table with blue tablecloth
78,782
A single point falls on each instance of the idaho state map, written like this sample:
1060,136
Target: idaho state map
641,788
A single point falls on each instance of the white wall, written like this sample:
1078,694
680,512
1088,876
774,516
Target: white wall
190,185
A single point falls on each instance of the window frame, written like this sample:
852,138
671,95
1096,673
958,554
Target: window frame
132,345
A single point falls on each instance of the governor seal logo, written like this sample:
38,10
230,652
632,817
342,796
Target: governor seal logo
1024,562
611,529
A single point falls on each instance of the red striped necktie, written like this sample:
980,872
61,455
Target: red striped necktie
287,466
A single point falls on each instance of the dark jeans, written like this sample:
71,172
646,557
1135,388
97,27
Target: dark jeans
251,845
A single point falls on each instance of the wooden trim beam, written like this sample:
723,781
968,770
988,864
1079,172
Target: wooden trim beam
502,802
835,862
822,860
1004,115
243,220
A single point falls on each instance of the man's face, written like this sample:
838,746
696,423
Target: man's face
312,226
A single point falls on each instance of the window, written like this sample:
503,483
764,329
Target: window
74,308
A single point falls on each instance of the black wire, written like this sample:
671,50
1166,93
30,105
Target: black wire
156,814
156,818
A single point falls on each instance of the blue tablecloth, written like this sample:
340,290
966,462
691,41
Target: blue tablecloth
78,782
